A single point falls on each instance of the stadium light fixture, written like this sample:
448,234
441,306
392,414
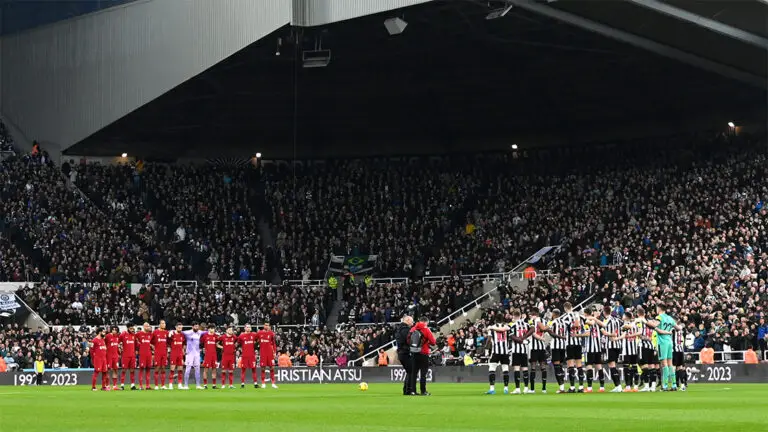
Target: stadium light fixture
395,26
124,155
514,146
258,155
498,13
731,125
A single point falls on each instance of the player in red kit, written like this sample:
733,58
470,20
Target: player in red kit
247,341
209,341
112,339
160,345
99,359
267,353
128,342
144,339
228,341
177,340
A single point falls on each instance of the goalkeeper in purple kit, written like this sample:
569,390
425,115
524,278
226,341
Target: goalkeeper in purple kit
193,354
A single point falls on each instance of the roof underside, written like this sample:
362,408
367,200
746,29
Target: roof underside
451,81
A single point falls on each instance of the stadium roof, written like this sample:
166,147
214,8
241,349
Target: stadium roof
451,81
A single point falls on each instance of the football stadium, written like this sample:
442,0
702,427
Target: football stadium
383,215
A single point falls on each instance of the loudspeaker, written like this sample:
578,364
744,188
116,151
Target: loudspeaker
395,26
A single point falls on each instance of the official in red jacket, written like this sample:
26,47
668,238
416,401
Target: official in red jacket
421,358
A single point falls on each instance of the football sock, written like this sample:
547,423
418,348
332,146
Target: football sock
590,372
615,377
162,377
601,376
197,375
517,379
263,376
94,377
629,378
543,377
492,378
157,376
572,376
186,376
122,377
104,380
525,378
533,378
231,377
181,375
505,375
272,375
559,374
133,377
242,375
253,372
581,376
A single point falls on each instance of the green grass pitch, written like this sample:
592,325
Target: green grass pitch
342,407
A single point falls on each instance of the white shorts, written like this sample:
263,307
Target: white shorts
193,360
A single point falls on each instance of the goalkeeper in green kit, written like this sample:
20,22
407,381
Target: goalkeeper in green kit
664,326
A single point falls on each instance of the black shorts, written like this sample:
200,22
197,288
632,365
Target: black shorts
630,359
594,358
519,359
573,352
613,354
539,356
558,355
678,359
502,359
648,357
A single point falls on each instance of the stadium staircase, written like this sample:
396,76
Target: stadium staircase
473,310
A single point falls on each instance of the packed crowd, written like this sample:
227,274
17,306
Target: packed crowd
396,209
67,237
66,348
686,233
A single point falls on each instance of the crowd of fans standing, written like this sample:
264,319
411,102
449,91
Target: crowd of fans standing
678,222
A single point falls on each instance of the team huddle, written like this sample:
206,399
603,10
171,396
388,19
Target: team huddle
147,349
592,339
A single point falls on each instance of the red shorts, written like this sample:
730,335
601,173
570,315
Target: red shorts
161,361
145,361
209,363
128,362
113,363
177,359
248,362
228,363
100,364
266,360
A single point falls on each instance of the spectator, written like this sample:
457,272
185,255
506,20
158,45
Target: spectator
383,358
707,355
750,356
311,360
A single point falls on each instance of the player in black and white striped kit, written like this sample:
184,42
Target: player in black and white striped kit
649,360
559,333
611,331
573,348
519,332
678,357
498,338
538,354
629,352
594,348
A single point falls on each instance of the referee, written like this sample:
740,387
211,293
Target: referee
404,353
